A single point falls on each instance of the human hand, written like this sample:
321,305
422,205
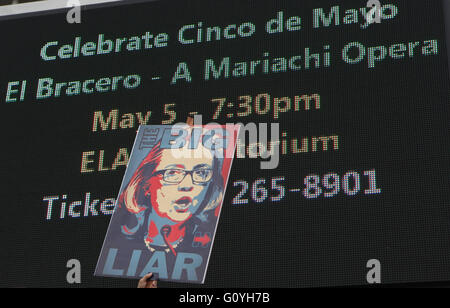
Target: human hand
146,283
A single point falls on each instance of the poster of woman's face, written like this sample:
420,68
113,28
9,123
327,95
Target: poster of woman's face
173,192
166,192
169,203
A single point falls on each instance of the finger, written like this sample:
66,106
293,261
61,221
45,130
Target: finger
148,275
143,281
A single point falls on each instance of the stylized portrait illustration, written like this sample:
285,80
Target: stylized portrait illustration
169,196
169,204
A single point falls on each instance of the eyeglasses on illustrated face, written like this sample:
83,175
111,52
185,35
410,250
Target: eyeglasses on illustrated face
176,175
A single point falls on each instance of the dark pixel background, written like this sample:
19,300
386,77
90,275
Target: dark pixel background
393,118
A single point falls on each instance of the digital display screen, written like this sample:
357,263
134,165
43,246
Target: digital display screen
361,178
